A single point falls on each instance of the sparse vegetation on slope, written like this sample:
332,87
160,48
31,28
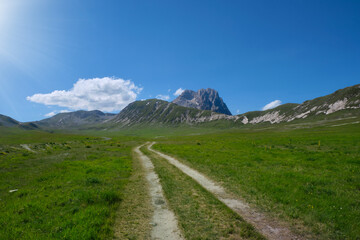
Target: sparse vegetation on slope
318,108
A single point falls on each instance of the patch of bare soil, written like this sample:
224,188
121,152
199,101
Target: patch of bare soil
164,222
25,146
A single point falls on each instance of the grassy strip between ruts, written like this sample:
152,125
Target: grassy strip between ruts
310,177
135,211
200,214
69,188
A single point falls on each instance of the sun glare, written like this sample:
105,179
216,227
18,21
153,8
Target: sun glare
5,14
2,18
6,19
18,45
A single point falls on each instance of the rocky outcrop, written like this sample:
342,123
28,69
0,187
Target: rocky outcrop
203,99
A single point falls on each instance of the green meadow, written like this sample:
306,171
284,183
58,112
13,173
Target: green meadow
89,185
66,187
309,177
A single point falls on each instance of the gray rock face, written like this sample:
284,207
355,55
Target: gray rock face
203,99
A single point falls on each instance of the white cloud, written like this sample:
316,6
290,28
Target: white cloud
237,111
271,105
106,94
163,97
178,92
50,114
53,113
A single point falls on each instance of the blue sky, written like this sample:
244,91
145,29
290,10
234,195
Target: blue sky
252,52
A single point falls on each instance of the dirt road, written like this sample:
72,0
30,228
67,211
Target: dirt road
270,228
164,222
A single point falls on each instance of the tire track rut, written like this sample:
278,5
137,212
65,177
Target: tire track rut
270,228
165,225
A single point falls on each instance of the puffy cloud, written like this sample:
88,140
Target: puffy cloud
50,114
163,97
271,105
53,113
178,92
106,94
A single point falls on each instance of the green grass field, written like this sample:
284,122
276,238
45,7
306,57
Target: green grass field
88,185
68,188
310,177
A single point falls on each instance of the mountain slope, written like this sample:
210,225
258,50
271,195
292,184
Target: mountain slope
155,111
321,107
8,121
203,99
75,119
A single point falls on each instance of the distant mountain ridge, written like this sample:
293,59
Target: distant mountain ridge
342,103
7,121
156,111
10,122
203,99
75,119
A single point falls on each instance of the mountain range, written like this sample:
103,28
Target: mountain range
199,108
75,119
10,122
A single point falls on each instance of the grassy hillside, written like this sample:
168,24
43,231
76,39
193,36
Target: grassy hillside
7,121
156,112
346,100
307,176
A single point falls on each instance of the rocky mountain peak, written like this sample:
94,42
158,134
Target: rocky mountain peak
203,99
